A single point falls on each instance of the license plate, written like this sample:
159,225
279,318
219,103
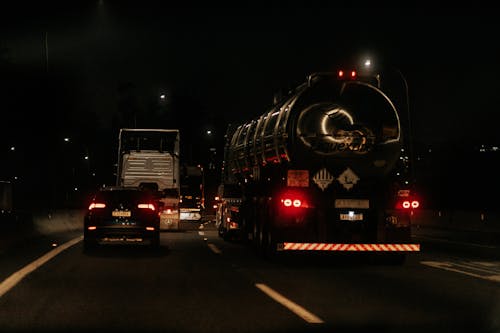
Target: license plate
351,217
121,213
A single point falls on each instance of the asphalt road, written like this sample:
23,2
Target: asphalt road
199,283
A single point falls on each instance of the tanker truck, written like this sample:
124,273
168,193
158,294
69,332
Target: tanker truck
323,169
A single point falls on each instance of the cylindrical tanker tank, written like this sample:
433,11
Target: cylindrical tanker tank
324,122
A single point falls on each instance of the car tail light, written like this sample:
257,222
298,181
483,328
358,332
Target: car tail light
150,228
146,206
95,205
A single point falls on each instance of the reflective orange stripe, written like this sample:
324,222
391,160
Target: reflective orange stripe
349,247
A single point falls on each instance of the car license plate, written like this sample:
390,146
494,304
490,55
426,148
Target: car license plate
351,217
121,213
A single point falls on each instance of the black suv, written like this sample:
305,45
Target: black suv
122,215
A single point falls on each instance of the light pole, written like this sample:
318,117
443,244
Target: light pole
408,114
367,65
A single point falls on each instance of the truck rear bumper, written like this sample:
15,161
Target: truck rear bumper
355,247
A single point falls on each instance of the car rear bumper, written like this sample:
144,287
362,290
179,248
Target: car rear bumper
121,234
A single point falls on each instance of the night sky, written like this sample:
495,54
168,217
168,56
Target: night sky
78,71
231,60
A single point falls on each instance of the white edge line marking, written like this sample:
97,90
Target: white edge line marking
214,248
16,277
487,263
294,307
475,267
436,264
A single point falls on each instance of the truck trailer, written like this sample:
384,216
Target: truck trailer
149,158
326,168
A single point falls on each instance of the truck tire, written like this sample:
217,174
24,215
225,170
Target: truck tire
257,242
268,243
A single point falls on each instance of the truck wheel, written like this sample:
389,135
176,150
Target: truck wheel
257,239
243,233
268,239
268,244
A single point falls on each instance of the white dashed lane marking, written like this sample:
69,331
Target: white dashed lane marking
214,248
290,305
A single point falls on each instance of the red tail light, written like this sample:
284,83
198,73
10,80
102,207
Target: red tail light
95,205
408,204
146,206
293,202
